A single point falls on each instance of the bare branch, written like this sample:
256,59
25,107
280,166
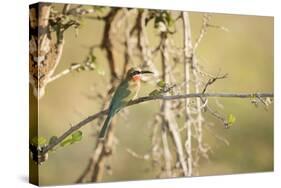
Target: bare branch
165,113
206,19
107,43
64,72
103,149
151,98
128,57
143,43
212,80
167,153
187,62
66,8
138,156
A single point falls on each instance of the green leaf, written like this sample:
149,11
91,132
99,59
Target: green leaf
66,142
231,119
161,84
77,136
39,141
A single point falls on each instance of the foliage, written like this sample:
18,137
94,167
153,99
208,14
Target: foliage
39,141
231,119
162,88
75,137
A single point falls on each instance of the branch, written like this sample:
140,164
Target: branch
165,109
128,43
138,156
103,149
150,98
187,61
203,30
66,8
143,43
107,43
212,80
65,72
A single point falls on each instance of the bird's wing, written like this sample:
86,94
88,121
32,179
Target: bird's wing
120,98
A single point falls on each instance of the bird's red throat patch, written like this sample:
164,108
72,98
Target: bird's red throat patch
137,77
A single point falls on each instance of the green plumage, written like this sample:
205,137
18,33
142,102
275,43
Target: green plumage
125,92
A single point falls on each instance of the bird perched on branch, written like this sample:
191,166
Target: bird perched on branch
125,92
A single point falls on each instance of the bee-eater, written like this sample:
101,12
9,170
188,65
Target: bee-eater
127,90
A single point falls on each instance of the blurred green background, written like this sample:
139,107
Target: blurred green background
245,52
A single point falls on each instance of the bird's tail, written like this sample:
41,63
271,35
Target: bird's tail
105,127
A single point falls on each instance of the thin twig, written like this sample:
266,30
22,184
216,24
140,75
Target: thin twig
203,30
212,80
138,156
64,72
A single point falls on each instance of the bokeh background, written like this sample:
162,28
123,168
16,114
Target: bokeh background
245,52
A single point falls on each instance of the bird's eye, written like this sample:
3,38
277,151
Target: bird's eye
136,72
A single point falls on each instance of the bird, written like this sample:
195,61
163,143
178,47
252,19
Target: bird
127,90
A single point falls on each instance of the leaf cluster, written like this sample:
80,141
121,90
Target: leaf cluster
162,88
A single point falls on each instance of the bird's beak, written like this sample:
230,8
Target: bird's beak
146,72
